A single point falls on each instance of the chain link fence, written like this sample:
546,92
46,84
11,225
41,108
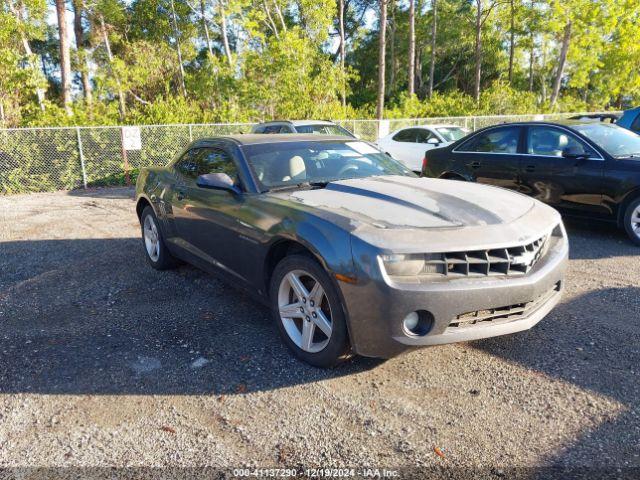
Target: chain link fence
50,159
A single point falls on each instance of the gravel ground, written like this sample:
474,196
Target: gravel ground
105,362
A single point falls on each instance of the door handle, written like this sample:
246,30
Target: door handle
530,168
475,164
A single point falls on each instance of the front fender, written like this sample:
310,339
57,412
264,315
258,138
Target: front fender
328,242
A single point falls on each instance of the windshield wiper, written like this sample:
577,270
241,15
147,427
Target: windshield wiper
300,186
629,155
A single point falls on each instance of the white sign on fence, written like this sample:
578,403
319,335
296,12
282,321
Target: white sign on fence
131,138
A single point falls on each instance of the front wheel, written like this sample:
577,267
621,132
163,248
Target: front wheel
308,312
632,221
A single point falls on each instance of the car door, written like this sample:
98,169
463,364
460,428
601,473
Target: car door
407,147
207,220
492,156
549,175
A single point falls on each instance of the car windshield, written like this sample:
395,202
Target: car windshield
617,141
282,164
451,134
326,129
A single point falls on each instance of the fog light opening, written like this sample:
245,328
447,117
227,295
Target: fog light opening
417,324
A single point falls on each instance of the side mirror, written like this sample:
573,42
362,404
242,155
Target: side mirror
217,181
574,152
433,141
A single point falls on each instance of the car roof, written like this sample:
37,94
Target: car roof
434,125
261,138
560,123
297,123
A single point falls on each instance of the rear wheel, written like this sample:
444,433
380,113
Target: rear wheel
308,312
156,251
632,221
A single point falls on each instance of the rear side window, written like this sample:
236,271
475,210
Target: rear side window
497,140
635,126
408,135
273,129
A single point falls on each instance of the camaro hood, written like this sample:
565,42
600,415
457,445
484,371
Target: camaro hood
408,214
393,202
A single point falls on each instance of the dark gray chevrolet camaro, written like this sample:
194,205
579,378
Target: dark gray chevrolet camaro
353,252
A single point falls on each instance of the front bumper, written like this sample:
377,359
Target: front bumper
376,306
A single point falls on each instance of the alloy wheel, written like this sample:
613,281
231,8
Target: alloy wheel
151,238
635,221
304,311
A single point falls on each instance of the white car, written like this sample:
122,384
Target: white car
409,144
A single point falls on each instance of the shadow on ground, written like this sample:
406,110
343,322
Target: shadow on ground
91,317
595,240
593,342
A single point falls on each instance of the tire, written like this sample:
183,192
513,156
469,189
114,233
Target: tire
305,331
160,259
632,221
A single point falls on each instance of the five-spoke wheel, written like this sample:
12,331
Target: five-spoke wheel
304,311
632,221
308,311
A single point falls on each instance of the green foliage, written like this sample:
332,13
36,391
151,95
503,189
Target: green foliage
248,60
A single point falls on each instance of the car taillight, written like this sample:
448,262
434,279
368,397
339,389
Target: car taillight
424,163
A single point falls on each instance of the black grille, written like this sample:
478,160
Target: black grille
502,314
516,260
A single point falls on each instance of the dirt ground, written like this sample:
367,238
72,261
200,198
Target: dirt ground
105,362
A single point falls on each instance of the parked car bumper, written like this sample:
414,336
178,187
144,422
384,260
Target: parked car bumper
376,305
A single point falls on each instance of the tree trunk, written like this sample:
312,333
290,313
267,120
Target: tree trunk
122,108
342,50
83,63
434,27
176,34
557,82
225,36
478,51
532,59
65,60
543,75
392,44
381,58
411,74
205,27
512,41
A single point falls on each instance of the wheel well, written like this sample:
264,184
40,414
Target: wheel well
452,176
280,250
142,204
622,209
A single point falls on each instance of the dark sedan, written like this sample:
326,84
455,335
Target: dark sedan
352,251
582,168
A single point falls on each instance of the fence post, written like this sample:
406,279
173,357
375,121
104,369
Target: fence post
190,133
81,154
474,123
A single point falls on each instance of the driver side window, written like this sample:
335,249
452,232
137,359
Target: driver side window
187,165
215,160
425,135
552,142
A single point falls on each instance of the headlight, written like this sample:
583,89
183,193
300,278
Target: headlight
404,265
